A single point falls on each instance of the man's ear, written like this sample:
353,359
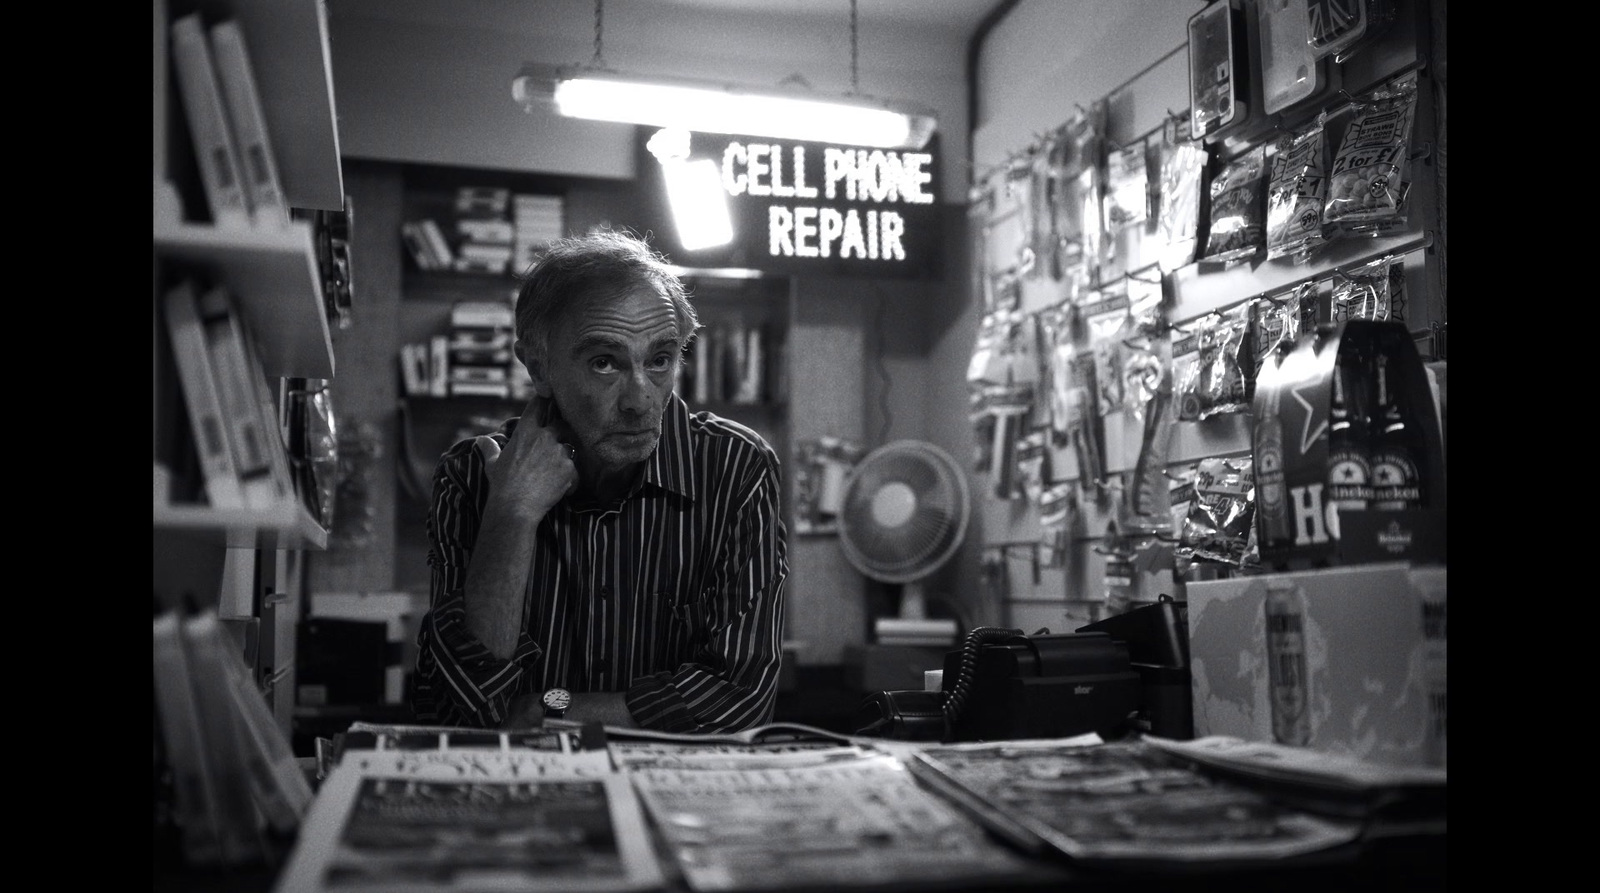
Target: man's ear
541,384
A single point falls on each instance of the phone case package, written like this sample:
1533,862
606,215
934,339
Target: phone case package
1218,69
1290,72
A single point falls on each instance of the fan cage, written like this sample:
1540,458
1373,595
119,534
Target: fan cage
924,542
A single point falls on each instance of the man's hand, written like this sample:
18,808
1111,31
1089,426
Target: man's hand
536,469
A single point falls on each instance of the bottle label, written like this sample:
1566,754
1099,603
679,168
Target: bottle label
1396,483
1270,494
1286,666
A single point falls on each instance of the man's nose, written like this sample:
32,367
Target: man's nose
637,393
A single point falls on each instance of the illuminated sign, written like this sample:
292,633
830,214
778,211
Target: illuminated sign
802,207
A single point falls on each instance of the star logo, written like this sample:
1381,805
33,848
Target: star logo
1308,432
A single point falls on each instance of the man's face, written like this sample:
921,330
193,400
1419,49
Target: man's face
611,368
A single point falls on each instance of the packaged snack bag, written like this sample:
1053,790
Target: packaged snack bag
1370,178
1238,207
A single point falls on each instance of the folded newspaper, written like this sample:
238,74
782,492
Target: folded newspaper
1126,803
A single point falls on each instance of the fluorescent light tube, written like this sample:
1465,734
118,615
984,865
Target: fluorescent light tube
849,121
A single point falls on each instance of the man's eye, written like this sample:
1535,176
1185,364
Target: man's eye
662,362
601,364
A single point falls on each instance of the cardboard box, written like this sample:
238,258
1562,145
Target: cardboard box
1364,673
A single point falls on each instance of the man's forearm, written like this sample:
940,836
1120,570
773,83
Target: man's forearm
496,580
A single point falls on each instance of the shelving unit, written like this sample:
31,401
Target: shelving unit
249,563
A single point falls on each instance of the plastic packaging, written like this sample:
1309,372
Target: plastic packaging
1216,82
1290,72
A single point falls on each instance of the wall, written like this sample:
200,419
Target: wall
1040,62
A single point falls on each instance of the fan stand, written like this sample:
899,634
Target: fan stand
913,601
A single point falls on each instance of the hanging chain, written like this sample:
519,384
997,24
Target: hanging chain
599,60
855,72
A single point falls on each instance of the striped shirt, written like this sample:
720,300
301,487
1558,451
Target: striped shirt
673,594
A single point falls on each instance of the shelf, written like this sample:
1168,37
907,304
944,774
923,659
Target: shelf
274,274
286,526
294,70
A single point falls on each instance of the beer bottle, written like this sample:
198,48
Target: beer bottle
1396,479
1349,455
1287,694
1272,499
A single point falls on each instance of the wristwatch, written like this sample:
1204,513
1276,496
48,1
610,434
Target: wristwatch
556,701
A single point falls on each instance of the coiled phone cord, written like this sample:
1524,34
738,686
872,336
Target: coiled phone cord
956,697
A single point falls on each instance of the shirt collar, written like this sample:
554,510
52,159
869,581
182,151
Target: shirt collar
671,466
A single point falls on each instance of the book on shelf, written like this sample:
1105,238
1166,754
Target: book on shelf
475,355
486,231
473,314
1125,803
484,251
468,372
238,720
482,201
480,389
469,264
258,165
194,807
414,368
273,421
215,150
386,821
439,366
202,397
417,246
438,248
228,346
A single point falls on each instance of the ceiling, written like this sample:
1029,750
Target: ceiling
960,16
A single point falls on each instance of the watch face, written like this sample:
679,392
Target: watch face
557,699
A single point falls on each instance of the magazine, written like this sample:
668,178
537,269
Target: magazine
1122,803
1391,800
628,755
847,821
441,822
770,733
390,736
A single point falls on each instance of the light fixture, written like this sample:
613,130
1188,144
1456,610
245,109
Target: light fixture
597,93
694,192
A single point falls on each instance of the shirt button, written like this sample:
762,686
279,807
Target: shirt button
605,591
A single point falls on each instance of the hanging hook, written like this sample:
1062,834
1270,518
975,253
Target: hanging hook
855,71
599,60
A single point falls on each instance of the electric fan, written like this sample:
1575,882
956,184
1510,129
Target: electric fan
902,515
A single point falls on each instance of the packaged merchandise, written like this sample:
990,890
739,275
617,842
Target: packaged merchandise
1127,201
1294,193
1238,209
1369,181
1182,177
1375,291
1290,72
1217,69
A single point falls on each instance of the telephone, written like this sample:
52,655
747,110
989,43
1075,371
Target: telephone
1128,673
